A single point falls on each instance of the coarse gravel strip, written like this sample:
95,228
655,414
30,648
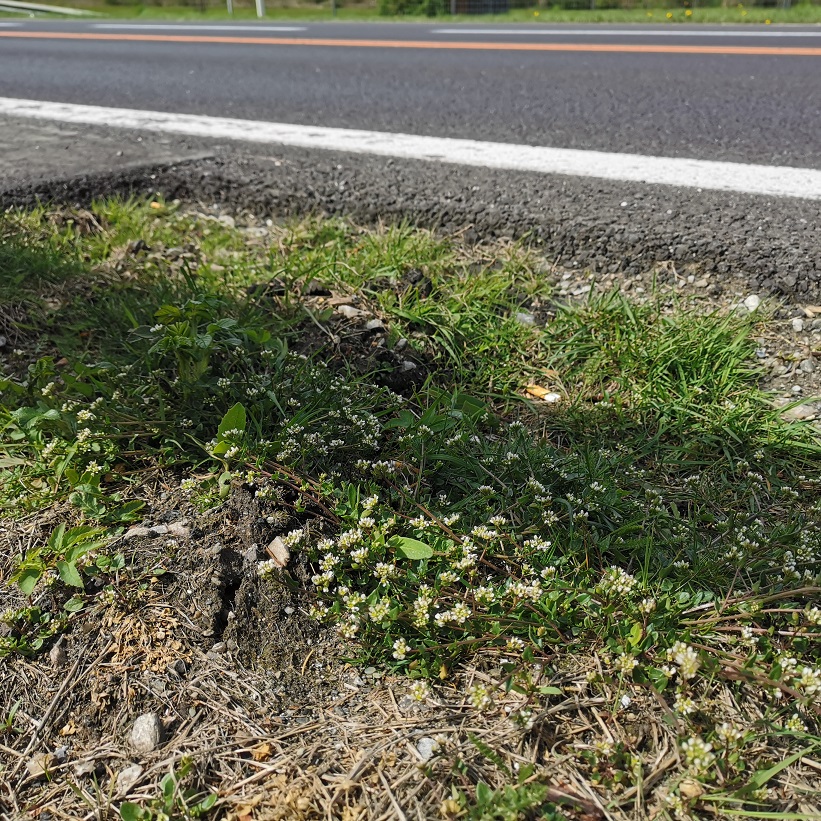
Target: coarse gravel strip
612,228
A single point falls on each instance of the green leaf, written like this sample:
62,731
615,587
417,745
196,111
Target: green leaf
74,604
234,419
128,511
55,541
484,795
207,802
410,548
69,574
27,579
131,812
551,691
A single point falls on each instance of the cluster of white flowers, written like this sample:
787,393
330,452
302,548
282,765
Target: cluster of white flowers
729,734
685,658
400,649
323,581
698,754
384,571
467,562
419,691
647,606
266,568
50,447
379,610
421,607
813,616
538,543
794,724
480,697
349,538
458,614
808,681
625,663
616,582
530,590
348,627
684,704
294,538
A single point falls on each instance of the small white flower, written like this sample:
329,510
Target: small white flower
400,649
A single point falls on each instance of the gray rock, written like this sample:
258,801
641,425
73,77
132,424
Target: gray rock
807,365
128,777
798,324
349,312
800,413
427,747
524,318
147,733
752,302
57,655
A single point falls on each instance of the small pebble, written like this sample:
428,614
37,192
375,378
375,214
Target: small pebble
147,733
427,747
798,324
752,302
128,777
57,655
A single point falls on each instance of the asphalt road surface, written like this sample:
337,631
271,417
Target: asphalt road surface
750,95
747,96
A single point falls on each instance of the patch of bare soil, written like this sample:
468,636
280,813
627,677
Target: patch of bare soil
250,689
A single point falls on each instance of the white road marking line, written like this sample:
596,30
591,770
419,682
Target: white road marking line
195,27
689,173
7,25
631,32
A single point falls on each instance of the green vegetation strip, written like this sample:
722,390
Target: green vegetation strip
660,518
423,10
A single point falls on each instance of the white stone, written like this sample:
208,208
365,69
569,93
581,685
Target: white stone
798,324
147,733
752,302
427,747
128,777
349,312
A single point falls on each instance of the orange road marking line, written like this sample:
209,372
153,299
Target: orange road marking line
421,44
